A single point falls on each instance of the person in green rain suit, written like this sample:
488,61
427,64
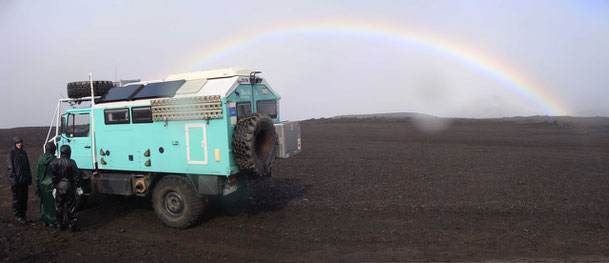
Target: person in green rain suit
44,185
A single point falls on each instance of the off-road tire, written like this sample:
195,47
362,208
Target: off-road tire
81,89
255,144
177,188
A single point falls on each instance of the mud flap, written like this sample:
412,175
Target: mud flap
209,184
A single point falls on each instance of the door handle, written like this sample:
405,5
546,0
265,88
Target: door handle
87,147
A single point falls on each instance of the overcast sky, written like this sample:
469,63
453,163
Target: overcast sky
560,47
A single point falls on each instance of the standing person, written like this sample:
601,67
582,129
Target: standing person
66,179
18,165
43,184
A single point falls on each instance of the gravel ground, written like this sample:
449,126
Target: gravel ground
368,190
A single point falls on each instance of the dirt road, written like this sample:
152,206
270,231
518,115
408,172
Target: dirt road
368,190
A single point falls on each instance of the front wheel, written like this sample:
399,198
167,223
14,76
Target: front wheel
176,202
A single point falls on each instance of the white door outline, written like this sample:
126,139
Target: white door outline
203,143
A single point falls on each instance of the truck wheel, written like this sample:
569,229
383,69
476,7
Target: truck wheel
81,89
255,144
176,202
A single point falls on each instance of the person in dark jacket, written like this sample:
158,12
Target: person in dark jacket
43,185
18,165
66,179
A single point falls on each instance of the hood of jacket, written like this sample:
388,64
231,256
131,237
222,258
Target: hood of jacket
17,139
50,148
65,151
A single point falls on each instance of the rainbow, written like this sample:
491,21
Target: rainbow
483,63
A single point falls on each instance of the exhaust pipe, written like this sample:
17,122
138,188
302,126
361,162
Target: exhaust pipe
139,185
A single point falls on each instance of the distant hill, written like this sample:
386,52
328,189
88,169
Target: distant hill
386,115
561,120
558,120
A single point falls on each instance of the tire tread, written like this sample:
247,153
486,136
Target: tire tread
81,89
244,140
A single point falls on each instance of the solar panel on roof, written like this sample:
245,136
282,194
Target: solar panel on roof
159,89
192,86
120,93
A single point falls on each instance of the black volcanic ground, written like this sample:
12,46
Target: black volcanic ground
370,189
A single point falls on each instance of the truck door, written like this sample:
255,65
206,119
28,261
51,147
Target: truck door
196,143
76,134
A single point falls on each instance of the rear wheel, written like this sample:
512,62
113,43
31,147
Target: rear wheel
176,202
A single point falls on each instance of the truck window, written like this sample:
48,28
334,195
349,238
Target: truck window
117,116
268,107
141,114
63,126
243,109
77,125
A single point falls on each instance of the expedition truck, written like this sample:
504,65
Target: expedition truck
182,139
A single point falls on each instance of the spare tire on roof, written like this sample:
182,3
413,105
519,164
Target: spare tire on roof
255,144
81,89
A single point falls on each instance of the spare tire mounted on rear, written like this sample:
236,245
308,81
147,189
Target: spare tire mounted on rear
255,144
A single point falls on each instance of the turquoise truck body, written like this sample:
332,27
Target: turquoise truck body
197,146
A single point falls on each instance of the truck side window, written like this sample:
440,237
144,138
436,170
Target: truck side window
268,107
117,116
63,128
78,125
141,114
243,109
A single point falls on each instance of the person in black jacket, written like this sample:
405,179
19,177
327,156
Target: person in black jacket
20,176
66,180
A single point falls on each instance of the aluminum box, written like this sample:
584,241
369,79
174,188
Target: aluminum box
288,134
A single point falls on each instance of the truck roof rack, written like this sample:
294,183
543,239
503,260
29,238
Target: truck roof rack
78,99
211,74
